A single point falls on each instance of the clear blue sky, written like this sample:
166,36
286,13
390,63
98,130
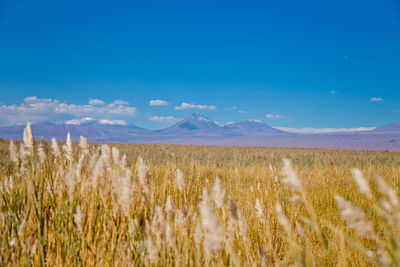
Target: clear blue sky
289,63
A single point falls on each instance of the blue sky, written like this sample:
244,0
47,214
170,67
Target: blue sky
292,64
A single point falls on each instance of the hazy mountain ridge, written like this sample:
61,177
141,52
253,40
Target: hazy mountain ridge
197,129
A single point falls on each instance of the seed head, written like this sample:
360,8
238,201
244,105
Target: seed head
180,180
54,147
218,193
362,183
291,179
355,218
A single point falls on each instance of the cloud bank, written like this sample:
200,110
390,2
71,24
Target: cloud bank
273,116
184,106
310,130
376,99
34,109
158,102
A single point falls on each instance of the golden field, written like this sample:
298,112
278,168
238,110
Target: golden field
82,204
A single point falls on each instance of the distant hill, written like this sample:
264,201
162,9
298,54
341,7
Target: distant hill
197,129
390,128
252,127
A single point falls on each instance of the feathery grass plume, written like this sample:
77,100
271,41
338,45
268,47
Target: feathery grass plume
144,176
214,234
231,231
389,193
299,229
198,235
205,197
93,160
78,219
106,154
78,168
67,147
181,220
218,193
259,210
355,218
126,192
99,173
124,164
28,139
41,153
263,258
158,225
170,236
282,218
115,155
180,180
291,179
23,155
13,152
295,198
232,209
362,183
83,144
70,181
151,249
251,189
170,209
54,147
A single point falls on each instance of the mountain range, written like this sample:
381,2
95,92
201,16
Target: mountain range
197,129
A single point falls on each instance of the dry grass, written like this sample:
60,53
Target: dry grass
90,205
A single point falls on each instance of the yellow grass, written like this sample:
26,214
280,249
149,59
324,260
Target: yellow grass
123,225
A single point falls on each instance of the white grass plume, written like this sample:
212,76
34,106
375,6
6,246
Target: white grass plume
362,183
291,179
282,218
259,210
180,180
355,218
218,193
126,192
214,234
55,148
144,176
28,138
13,152
170,209
83,144
41,153
67,147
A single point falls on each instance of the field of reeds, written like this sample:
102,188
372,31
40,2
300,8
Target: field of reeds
80,204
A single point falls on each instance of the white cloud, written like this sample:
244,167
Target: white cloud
168,119
396,110
121,102
333,92
158,102
273,116
103,121
34,109
376,99
96,102
310,130
242,111
184,106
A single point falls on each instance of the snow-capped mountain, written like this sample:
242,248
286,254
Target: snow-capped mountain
194,125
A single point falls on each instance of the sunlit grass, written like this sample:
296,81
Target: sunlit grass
122,205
